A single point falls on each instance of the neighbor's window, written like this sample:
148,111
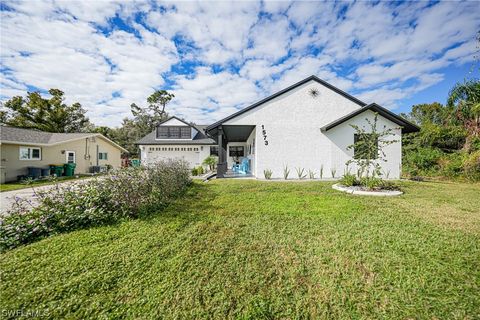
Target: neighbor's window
30,153
102,156
365,146
236,151
214,151
170,132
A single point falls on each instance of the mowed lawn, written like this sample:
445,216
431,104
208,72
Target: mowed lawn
247,249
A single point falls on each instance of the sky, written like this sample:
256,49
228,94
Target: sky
219,57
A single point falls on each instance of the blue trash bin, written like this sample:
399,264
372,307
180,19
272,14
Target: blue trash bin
45,172
34,172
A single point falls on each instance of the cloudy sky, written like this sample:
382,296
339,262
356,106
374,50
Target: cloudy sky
218,57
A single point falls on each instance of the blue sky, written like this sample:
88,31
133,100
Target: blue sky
217,57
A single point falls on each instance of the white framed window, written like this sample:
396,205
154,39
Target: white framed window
70,156
30,153
103,156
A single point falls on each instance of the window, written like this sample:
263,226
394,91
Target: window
30,153
361,147
236,151
170,132
102,156
70,156
214,151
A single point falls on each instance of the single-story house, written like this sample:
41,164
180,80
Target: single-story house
307,125
23,148
175,138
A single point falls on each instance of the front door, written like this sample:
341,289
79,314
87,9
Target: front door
70,156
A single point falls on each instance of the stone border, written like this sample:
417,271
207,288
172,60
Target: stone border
383,193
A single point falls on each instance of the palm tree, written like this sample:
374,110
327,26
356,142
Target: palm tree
464,100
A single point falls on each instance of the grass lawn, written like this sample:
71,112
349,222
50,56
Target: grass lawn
10,186
264,250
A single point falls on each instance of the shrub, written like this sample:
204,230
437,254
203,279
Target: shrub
422,160
348,180
268,174
118,195
194,172
471,166
286,172
301,173
211,162
333,171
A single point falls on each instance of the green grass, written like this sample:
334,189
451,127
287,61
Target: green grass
10,186
264,250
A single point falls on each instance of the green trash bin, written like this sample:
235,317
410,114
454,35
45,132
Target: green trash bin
57,170
69,169
135,162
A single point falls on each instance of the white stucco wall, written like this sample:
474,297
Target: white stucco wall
193,157
292,124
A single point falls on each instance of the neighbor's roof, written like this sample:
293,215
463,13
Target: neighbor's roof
14,135
406,126
200,138
273,96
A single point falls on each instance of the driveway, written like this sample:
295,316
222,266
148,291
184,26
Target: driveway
8,197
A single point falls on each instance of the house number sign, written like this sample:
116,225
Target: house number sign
264,134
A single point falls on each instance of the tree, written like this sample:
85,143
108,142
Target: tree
464,99
50,115
369,147
434,113
144,120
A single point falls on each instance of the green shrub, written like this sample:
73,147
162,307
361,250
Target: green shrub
422,160
194,172
451,165
268,174
118,195
211,162
371,183
301,173
286,172
348,180
200,170
471,166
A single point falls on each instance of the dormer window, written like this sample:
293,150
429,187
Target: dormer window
174,132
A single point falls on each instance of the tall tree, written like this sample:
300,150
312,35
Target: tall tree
51,115
464,99
144,120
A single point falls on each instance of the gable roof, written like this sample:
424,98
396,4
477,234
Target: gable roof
200,137
273,96
406,126
14,135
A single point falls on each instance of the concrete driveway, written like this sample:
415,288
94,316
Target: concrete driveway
8,198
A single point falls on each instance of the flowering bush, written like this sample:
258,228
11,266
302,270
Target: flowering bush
118,195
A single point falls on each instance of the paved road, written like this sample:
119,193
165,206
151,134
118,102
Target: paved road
8,198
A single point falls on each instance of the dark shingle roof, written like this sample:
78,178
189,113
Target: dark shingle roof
20,135
200,138
406,126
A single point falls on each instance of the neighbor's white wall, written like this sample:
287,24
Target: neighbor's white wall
194,158
292,122
342,136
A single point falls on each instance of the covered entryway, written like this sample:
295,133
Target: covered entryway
236,149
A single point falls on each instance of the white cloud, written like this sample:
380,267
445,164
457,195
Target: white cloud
231,53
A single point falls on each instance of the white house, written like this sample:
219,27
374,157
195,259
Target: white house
306,126
176,139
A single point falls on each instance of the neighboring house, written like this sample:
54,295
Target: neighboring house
23,148
176,139
307,125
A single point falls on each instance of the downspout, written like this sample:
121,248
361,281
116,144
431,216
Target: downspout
97,155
